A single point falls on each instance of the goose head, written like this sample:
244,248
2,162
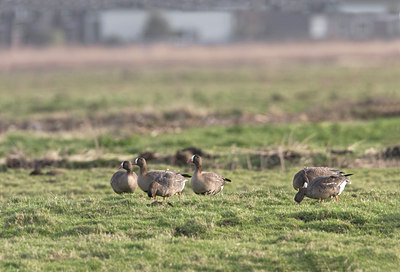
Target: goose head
300,195
127,165
139,162
196,160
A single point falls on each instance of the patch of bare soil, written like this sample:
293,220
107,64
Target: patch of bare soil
164,55
252,160
180,158
389,157
350,110
141,123
392,152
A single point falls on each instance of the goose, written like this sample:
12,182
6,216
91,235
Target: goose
323,188
206,183
124,182
309,173
169,183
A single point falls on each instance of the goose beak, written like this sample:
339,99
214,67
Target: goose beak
133,163
120,167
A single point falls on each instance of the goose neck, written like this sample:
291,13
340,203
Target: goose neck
130,170
143,169
199,169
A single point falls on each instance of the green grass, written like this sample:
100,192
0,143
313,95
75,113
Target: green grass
76,223
254,89
228,142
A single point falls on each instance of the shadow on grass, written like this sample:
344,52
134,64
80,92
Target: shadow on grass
331,221
319,260
351,217
197,227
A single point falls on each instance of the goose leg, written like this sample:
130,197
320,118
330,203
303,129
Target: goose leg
179,194
163,197
336,198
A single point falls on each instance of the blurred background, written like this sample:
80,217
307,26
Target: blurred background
254,83
122,22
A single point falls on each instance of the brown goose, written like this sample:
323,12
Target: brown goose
124,182
169,183
323,188
206,183
307,174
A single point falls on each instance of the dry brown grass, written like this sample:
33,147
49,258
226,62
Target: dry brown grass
176,120
162,55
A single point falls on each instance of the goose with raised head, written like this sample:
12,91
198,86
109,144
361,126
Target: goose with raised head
168,182
206,183
323,188
307,174
124,181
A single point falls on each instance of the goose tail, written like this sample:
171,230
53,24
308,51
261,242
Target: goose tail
348,175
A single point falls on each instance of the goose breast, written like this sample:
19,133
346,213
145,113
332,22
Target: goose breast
122,182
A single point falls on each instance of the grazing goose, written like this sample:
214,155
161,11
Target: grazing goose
307,174
124,182
168,182
206,183
323,188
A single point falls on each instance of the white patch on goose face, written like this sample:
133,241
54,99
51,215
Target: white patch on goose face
191,159
122,164
136,160
305,185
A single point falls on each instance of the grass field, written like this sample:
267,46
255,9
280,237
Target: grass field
258,123
76,223
226,90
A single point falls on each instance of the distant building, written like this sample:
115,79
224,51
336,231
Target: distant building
113,22
364,26
126,26
363,20
271,25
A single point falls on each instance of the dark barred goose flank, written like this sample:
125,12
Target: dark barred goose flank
323,188
159,182
206,183
169,184
124,182
307,174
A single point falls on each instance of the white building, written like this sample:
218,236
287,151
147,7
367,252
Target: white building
191,26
